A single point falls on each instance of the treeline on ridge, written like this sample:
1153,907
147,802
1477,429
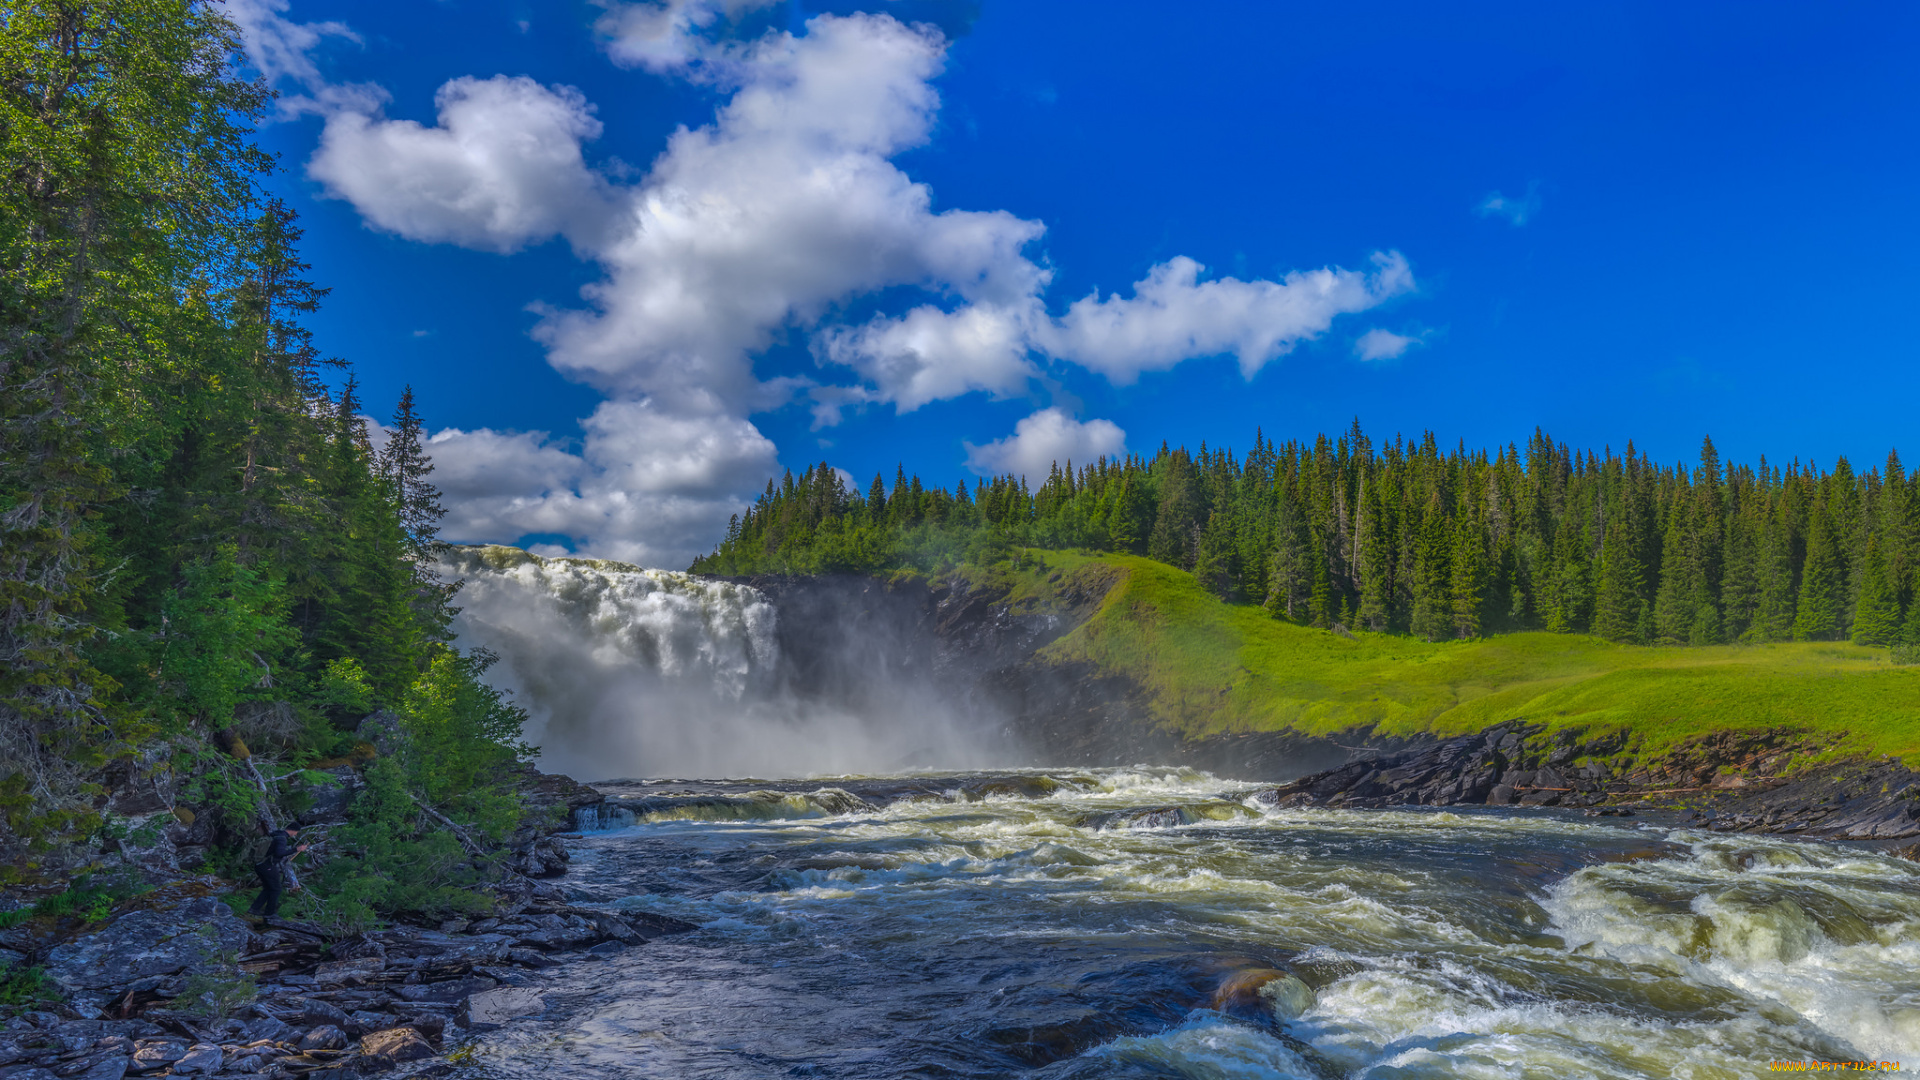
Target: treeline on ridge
1402,537
209,574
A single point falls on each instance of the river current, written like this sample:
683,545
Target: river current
1135,923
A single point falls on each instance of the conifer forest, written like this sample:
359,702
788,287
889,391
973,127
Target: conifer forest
210,574
1404,537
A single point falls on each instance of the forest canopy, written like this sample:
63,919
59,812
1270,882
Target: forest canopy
209,573
1403,537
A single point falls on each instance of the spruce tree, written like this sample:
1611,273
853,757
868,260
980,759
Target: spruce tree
1468,574
1818,615
1876,617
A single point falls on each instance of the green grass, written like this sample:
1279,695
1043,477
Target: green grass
1211,668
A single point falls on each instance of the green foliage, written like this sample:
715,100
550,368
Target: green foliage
1403,537
214,993
84,900
207,563
23,988
1904,655
459,741
1209,667
224,637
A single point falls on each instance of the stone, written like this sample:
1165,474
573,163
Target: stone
317,1013
324,1037
200,936
152,1055
348,972
269,1028
202,1058
109,1067
493,1008
396,1045
361,1022
607,948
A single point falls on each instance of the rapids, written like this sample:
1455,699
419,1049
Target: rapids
1133,923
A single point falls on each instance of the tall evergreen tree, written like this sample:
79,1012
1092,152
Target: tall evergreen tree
1876,617
1823,586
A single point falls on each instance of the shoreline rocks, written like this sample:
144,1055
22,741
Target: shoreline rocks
360,1003
1514,764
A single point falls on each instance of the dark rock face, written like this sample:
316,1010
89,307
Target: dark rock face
1468,769
853,641
142,950
1511,763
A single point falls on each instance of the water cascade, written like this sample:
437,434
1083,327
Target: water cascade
633,672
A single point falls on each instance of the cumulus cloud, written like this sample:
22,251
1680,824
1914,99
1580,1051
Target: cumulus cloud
503,167
1172,316
278,47
1518,210
930,355
1379,344
667,37
759,225
1047,437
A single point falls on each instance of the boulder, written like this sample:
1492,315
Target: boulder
199,936
324,1037
348,972
152,1055
395,1045
493,1008
203,1058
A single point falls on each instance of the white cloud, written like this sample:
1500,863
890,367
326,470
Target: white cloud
1517,210
758,225
1173,316
648,487
1041,440
930,355
503,168
667,37
279,47
1378,344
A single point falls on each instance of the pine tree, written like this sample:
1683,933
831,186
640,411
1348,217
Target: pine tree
1818,615
1468,574
404,465
1433,573
1876,617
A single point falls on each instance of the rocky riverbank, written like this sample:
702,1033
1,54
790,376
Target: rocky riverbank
1734,781
173,983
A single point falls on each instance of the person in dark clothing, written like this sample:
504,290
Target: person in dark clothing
271,853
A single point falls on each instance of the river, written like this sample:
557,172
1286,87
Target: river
1134,923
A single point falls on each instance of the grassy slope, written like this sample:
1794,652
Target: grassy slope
1214,667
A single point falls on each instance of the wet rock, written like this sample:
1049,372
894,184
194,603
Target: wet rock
349,972
450,991
1501,795
155,1054
324,1037
363,1022
1287,996
199,936
607,949
395,1045
108,1067
496,1007
203,1058
532,958
317,1013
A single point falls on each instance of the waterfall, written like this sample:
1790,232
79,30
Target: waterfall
627,671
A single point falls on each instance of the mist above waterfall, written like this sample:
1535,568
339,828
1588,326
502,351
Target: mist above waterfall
633,672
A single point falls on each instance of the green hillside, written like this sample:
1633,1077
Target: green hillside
1211,667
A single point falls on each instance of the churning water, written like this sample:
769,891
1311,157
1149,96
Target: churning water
654,672
1161,923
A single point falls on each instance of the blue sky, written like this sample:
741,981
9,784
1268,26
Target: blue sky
912,231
